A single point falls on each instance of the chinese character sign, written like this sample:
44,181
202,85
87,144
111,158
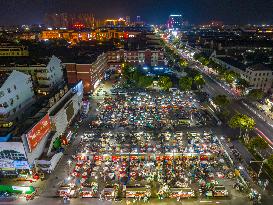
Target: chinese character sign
37,133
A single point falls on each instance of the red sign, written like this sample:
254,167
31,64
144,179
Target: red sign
37,133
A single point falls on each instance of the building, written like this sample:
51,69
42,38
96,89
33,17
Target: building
259,76
229,63
56,20
51,122
140,57
128,20
175,22
138,22
77,35
33,145
67,20
115,22
45,77
13,51
63,110
90,74
16,94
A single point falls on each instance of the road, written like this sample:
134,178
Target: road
264,126
237,104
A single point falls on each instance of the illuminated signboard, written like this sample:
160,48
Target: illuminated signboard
78,88
37,133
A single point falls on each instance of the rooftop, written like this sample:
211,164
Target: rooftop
259,67
233,62
21,61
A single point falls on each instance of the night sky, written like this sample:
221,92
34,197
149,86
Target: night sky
151,11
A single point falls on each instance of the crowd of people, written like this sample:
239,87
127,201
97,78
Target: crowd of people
139,158
150,110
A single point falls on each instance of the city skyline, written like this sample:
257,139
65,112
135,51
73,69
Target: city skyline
152,11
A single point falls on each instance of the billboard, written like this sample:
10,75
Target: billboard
12,154
37,133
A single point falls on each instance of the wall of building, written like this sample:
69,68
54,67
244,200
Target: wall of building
59,119
13,51
52,75
147,57
227,66
71,35
44,77
90,74
260,79
15,94
37,152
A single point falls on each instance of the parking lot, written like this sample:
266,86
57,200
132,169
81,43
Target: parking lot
136,149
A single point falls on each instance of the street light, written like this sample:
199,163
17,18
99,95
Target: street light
69,163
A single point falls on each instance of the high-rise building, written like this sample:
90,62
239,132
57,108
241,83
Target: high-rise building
138,19
64,20
127,20
56,20
175,22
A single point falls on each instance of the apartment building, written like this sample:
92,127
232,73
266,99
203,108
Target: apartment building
13,51
45,77
90,74
16,94
259,76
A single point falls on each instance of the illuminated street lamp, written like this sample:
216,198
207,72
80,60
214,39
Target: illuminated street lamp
69,163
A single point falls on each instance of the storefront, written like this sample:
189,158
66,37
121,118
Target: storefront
13,159
182,193
132,192
66,191
220,191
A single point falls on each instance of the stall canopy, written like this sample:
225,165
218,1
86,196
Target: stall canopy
17,189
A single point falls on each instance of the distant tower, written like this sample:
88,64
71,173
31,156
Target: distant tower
175,22
128,21
138,18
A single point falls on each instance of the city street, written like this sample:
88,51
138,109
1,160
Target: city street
213,87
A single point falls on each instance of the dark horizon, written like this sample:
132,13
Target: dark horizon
14,12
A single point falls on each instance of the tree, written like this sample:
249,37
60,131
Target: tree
242,121
184,63
136,76
126,71
255,95
199,80
258,143
145,81
185,83
201,58
165,82
242,84
221,101
229,76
